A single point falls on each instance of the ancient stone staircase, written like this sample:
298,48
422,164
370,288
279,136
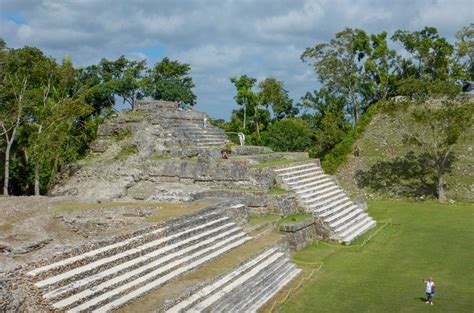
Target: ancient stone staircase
186,127
246,288
110,276
320,194
202,137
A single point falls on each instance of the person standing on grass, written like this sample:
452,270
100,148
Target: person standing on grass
430,290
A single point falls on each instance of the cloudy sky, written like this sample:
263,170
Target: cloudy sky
218,38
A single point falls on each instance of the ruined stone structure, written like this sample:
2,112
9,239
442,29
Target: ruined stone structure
158,153
321,195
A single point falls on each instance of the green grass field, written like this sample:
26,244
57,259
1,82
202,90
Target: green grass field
426,239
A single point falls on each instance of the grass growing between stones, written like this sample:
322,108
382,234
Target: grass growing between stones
164,210
260,219
272,163
277,191
126,152
5,227
294,218
426,239
160,156
75,206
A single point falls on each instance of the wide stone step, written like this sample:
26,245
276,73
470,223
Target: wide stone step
333,207
321,190
320,194
338,212
93,253
297,172
133,252
348,228
300,177
315,187
157,267
210,141
191,130
207,137
302,182
323,198
294,167
272,289
370,223
208,290
113,248
226,290
245,294
343,218
301,188
151,282
327,203
190,243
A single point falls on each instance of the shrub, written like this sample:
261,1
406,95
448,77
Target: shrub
289,134
338,155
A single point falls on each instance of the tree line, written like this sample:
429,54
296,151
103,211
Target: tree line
358,71
50,111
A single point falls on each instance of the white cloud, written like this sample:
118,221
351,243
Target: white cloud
218,38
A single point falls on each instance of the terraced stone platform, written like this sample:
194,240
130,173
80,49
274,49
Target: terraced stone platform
202,136
320,194
246,288
111,276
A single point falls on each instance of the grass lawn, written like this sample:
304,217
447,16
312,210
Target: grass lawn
426,239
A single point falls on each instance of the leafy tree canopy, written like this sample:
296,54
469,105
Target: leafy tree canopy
170,81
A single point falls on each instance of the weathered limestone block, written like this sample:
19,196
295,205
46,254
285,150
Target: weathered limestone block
198,170
250,150
99,146
300,234
153,105
361,203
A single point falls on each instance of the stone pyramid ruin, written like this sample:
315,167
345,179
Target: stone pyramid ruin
159,153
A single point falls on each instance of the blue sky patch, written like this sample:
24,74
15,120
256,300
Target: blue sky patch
14,17
153,53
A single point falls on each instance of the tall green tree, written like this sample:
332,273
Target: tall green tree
325,113
465,50
339,66
23,72
99,94
53,119
125,78
170,81
272,94
380,70
432,54
245,97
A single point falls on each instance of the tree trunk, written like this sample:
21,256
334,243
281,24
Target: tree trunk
245,114
258,131
6,178
37,178
440,188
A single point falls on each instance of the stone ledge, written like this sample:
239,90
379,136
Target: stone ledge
296,226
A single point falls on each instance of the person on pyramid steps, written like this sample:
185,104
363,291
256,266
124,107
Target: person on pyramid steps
227,150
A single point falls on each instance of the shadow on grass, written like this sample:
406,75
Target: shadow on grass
421,299
410,175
